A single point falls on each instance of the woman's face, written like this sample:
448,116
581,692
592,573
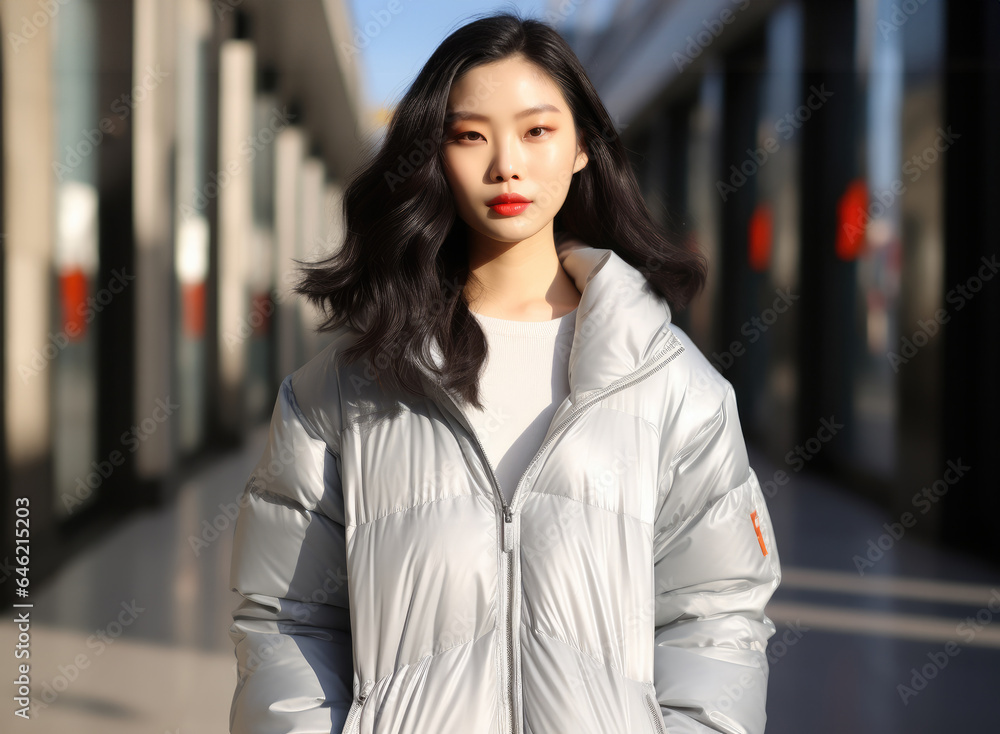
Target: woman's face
509,130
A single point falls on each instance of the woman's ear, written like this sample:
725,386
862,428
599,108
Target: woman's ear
581,154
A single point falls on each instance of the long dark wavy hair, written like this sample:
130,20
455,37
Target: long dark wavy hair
399,275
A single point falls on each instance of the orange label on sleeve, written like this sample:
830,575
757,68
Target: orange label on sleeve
756,527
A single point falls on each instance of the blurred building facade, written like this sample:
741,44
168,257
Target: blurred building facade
162,163
835,160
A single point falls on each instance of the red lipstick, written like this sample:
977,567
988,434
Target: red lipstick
508,204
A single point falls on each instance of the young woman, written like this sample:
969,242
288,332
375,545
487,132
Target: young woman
510,496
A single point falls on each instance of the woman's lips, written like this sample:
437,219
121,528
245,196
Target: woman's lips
511,209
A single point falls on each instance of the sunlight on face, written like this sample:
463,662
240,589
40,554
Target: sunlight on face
508,129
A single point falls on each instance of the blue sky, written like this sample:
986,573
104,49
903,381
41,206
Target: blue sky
396,50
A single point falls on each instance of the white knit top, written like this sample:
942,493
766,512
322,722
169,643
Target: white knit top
524,381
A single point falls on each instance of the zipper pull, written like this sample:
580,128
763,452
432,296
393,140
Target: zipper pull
508,529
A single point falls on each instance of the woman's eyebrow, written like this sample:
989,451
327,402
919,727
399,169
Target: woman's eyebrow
463,115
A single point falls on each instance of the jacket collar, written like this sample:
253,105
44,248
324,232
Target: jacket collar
620,321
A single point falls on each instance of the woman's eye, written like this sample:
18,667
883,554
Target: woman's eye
531,133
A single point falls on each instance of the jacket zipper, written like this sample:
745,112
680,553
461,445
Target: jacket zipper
654,712
654,364
508,549
354,715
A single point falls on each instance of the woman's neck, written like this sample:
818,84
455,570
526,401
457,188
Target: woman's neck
520,281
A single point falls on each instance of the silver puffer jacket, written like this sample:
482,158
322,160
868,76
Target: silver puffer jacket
387,588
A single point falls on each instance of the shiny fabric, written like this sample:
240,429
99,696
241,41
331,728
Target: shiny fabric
384,592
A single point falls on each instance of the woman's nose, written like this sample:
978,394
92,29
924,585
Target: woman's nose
505,164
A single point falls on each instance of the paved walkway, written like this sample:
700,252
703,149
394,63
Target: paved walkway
131,636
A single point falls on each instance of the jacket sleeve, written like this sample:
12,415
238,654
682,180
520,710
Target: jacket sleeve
292,627
713,573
